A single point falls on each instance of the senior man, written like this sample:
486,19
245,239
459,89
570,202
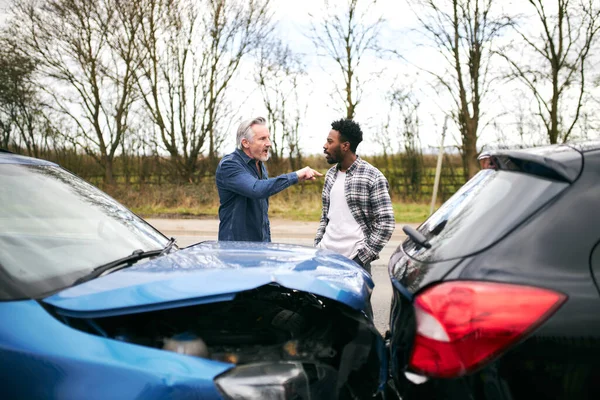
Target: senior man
245,187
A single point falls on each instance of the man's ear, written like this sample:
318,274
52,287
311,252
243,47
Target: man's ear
245,143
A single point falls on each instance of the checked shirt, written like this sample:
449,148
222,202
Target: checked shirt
367,194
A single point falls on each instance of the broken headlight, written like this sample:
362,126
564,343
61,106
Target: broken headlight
279,381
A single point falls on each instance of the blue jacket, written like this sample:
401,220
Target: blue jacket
244,197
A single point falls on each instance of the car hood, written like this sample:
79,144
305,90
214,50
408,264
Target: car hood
216,271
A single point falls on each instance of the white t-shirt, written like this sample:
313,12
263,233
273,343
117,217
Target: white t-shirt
342,234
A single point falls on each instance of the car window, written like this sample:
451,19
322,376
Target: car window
486,208
55,227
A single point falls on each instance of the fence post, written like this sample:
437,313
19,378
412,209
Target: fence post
438,169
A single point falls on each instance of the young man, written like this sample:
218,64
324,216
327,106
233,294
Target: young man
358,218
244,186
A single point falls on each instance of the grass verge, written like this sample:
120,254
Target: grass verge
193,201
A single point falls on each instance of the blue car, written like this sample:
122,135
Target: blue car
97,304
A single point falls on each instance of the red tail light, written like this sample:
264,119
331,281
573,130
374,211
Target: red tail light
461,325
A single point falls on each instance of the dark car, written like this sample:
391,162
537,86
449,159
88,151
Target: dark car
496,295
97,304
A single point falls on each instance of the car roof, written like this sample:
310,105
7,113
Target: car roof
564,160
7,157
584,147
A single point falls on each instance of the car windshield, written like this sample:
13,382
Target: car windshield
55,227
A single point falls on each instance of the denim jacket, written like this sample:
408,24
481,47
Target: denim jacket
244,197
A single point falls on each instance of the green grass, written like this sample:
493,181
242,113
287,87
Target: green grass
410,212
150,211
301,211
299,203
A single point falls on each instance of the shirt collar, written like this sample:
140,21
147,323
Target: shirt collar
244,156
352,167
247,159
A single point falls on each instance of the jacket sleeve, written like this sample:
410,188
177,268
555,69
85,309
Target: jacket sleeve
234,177
383,224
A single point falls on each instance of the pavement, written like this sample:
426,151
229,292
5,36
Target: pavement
190,231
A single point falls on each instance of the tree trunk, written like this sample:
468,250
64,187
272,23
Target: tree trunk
471,166
108,171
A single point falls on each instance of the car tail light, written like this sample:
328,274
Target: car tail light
463,324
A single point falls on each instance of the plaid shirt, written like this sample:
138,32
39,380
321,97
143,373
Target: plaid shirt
367,194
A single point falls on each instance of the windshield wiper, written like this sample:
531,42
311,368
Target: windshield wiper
169,246
125,262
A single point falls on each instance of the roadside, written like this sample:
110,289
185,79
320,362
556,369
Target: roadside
190,231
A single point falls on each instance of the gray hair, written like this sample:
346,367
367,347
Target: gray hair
245,130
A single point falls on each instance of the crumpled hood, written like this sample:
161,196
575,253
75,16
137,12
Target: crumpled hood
216,271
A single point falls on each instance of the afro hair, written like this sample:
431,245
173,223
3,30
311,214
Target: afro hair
349,131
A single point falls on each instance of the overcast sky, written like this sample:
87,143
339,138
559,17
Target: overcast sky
293,28
399,35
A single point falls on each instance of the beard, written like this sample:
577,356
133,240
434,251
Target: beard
334,157
264,157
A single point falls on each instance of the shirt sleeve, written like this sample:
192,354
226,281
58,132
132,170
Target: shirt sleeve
234,177
324,210
321,229
383,224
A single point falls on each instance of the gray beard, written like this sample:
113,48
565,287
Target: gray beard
264,158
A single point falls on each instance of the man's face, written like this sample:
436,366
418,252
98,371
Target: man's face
259,147
334,149
486,163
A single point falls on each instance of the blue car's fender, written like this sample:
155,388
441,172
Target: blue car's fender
42,358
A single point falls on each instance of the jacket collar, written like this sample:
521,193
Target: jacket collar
252,163
244,156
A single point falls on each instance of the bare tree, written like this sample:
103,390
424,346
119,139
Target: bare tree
236,28
554,68
405,109
279,74
193,51
343,36
22,121
85,54
169,79
463,32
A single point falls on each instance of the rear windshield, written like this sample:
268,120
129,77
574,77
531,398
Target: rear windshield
486,208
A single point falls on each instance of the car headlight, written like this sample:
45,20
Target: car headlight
278,381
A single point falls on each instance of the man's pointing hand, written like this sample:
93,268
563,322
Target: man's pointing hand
308,174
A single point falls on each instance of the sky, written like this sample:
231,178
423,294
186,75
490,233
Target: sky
399,34
293,28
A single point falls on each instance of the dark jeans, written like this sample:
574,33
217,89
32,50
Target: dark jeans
366,267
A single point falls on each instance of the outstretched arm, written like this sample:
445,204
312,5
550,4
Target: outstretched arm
231,176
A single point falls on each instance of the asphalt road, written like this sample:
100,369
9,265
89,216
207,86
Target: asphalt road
190,231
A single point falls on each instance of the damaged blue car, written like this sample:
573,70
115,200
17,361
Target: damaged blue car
98,304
